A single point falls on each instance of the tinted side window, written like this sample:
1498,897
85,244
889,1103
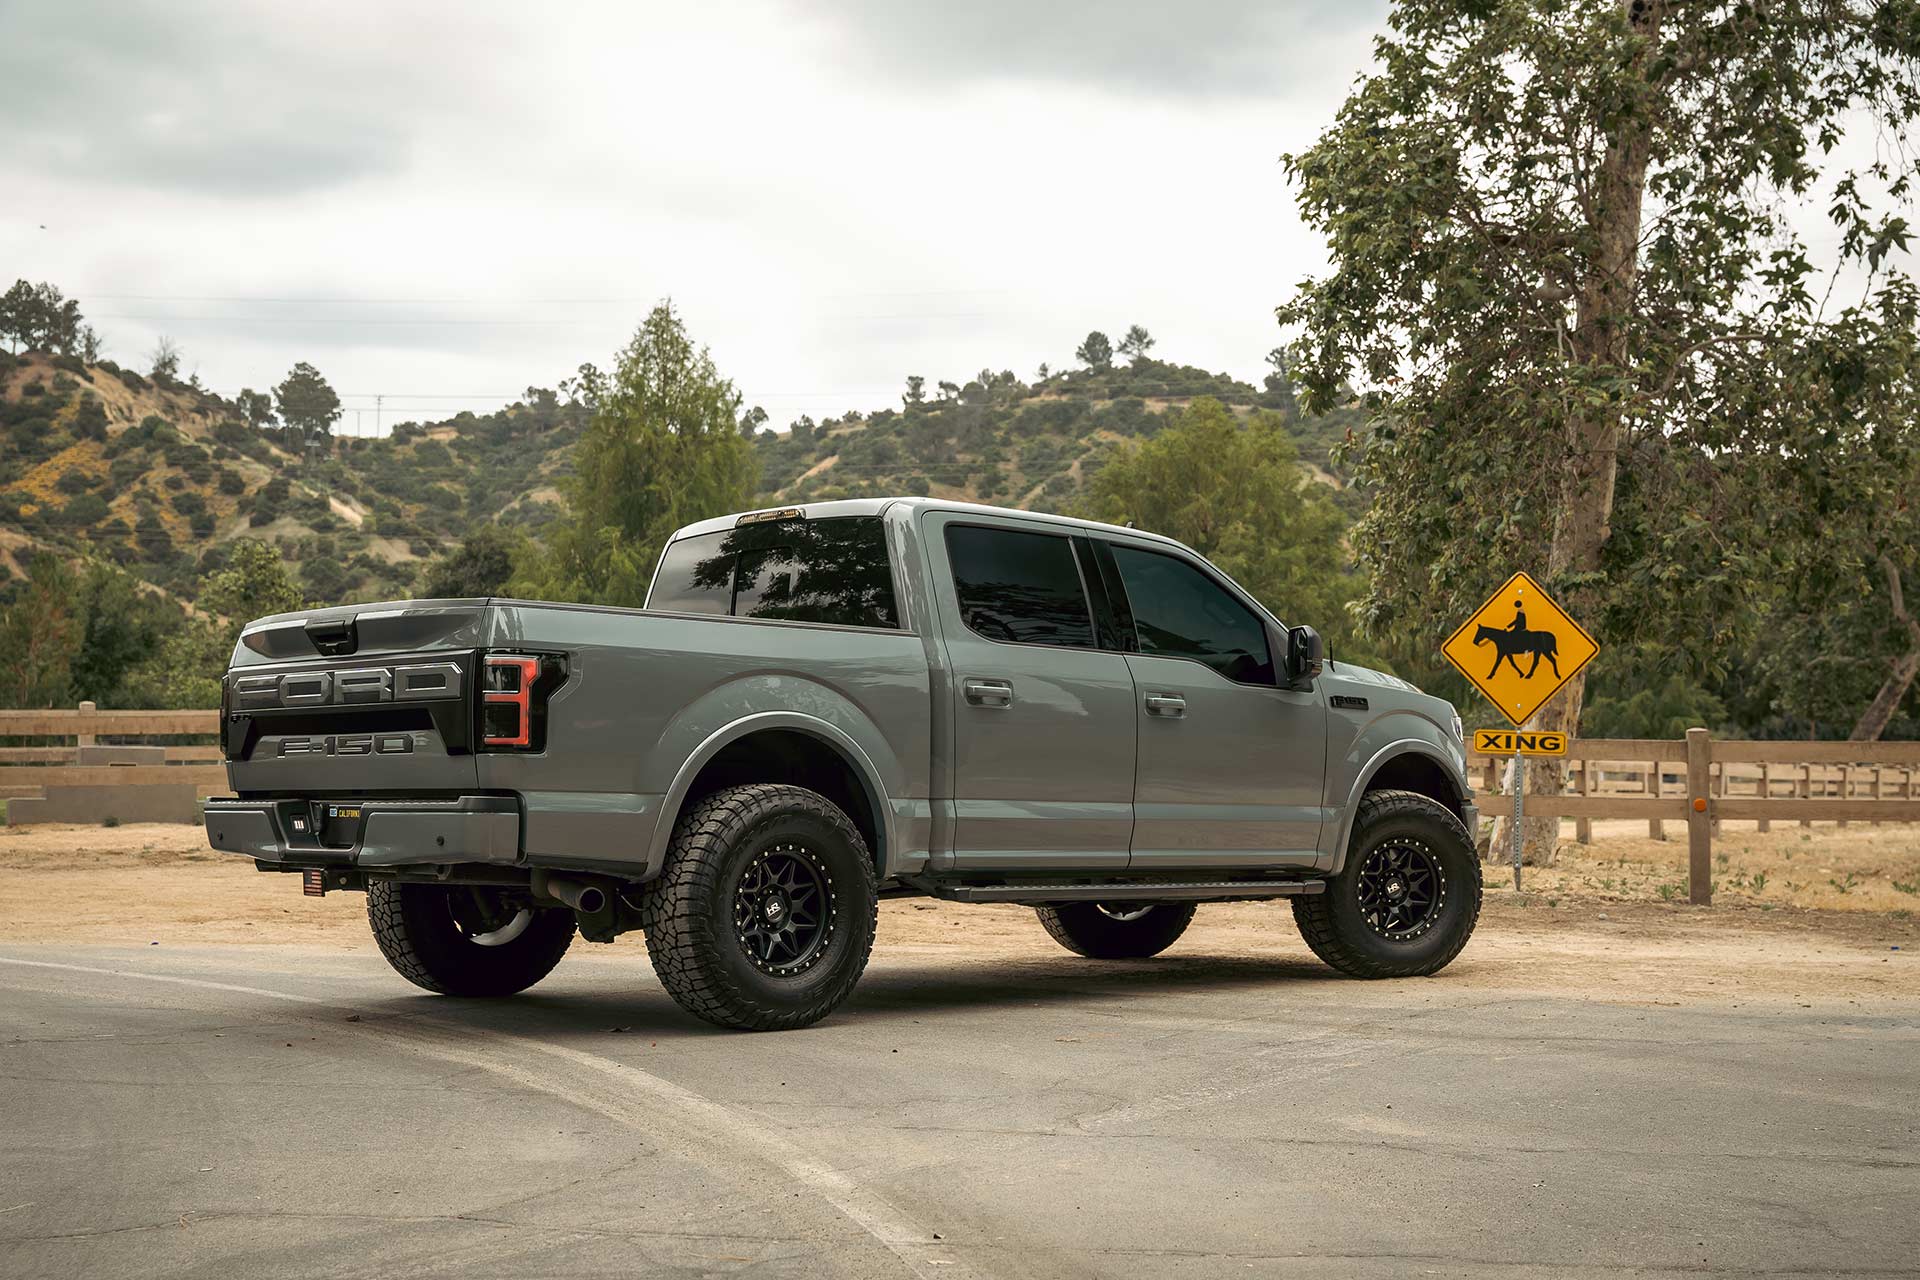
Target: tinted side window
833,571
1022,587
1179,612
696,576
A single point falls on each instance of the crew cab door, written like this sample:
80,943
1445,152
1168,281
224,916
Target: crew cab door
1231,766
1041,717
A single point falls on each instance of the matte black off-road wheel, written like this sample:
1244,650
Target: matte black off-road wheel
1117,930
764,916
465,940
1408,897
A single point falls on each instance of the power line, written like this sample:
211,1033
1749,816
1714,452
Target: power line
604,300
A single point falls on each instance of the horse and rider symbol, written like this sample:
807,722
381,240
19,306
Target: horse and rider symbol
1516,639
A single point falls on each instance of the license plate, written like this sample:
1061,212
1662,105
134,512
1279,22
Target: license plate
338,823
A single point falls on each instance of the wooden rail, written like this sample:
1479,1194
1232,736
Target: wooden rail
1701,782
29,771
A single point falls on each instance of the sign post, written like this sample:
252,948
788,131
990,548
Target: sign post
1519,813
1514,683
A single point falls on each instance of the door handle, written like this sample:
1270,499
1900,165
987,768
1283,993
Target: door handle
988,693
1171,705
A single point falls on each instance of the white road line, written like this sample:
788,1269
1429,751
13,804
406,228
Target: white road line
900,1234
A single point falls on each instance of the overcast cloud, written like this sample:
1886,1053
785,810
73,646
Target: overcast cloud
444,204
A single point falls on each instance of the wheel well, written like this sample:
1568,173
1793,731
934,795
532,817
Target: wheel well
802,760
1411,771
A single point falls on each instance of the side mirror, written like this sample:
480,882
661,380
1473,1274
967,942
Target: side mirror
1306,652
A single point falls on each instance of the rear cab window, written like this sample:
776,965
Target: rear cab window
833,570
1018,587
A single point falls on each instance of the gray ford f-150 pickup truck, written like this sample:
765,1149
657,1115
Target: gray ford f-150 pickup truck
822,706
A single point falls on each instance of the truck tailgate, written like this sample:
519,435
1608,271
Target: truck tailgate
363,700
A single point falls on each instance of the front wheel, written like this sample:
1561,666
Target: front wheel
1408,897
1116,930
465,940
764,916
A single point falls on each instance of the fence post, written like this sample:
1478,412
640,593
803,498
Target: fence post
1879,771
1846,788
85,739
1656,829
1766,793
1583,827
1699,820
1806,789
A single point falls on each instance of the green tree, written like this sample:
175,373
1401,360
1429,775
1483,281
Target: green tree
1236,494
662,450
481,565
1135,345
185,671
165,360
1567,287
39,318
916,389
1096,352
40,632
255,406
123,626
307,404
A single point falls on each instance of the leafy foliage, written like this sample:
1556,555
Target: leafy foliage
1588,336
663,449
1235,493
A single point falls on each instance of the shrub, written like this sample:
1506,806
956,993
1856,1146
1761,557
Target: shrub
188,504
89,420
84,510
74,480
133,381
231,482
175,482
123,471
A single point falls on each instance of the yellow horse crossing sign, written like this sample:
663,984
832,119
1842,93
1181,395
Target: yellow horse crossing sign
1519,648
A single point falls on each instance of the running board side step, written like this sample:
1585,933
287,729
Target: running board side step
1186,891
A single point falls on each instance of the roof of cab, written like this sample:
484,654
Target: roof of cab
876,506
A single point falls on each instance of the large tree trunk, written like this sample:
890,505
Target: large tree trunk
1592,435
1874,720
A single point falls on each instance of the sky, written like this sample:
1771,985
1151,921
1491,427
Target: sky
443,204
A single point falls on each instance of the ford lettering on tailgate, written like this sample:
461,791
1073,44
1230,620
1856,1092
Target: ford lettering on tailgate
417,682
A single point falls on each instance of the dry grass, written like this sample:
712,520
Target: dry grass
1826,867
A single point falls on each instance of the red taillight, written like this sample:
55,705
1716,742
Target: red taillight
506,700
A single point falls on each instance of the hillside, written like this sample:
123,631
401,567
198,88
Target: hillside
161,476
998,439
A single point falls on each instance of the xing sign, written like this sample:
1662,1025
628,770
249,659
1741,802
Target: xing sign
1519,648
1518,742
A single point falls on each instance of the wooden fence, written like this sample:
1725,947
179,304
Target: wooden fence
1697,780
27,771
1703,782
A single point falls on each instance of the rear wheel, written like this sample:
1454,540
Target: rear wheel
1408,897
1116,930
764,916
465,940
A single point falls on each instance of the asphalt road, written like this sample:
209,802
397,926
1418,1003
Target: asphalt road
233,1112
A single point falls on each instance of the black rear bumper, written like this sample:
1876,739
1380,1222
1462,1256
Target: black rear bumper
299,832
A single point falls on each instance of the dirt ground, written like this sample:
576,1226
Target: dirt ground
1799,915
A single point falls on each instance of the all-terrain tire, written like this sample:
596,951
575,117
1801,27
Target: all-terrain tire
701,914
420,931
1351,927
1119,932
